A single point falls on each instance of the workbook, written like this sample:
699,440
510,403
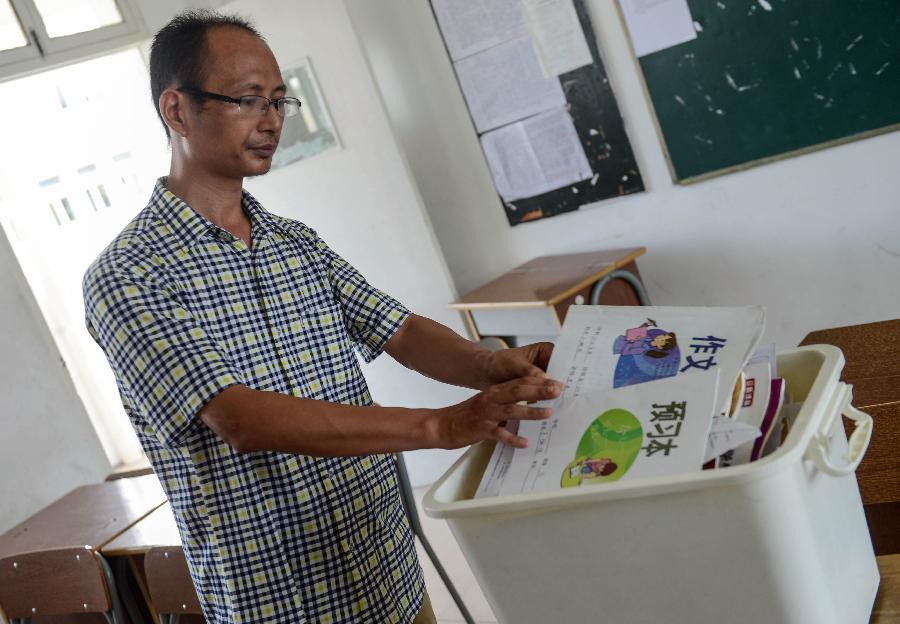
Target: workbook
627,371
626,433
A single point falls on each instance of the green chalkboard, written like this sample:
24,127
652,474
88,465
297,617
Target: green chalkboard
768,78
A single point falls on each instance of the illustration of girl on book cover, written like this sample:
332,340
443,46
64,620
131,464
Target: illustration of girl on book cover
607,449
646,353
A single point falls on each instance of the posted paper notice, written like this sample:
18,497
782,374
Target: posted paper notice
557,34
655,25
537,155
506,83
472,26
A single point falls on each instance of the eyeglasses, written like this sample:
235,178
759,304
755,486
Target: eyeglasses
250,104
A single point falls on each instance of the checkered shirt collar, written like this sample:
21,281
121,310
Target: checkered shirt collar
189,225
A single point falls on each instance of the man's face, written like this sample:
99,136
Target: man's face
224,139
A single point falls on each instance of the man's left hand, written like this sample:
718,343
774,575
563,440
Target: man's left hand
507,364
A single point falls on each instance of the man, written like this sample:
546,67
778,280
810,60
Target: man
231,331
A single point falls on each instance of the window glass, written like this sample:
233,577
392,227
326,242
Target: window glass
68,17
11,35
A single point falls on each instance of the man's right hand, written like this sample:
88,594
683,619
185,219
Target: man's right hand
482,416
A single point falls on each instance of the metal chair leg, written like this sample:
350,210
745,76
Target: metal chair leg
622,275
117,615
409,503
120,571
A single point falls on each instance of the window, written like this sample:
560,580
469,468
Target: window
67,190
38,34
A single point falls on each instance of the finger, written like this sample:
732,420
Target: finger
508,437
512,411
542,355
525,389
521,365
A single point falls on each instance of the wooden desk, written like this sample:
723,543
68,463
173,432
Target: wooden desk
872,352
887,603
531,300
129,548
92,515
157,529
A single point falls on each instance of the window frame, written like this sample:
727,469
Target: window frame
43,52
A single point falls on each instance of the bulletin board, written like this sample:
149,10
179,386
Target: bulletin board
765,79
601,131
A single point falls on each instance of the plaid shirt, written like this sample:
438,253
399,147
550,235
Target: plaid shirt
183,309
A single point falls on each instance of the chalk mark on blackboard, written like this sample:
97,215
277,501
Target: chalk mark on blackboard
736,86
797,73
852,69
882,68
854,42
764,4
680,100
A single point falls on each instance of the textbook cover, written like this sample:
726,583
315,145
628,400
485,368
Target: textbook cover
607,347
626,433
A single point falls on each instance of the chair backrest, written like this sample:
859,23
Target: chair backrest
53,582
169,581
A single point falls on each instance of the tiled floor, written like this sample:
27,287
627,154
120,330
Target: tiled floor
451,557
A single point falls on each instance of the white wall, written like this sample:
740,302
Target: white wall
815,239
360,198
47,443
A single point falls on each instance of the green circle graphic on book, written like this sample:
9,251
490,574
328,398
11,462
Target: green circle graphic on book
607,449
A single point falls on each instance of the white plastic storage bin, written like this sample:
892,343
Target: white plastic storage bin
780,541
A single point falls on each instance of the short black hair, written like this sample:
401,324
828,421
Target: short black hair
179,52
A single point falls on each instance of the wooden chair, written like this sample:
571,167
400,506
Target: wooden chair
169,583
63,581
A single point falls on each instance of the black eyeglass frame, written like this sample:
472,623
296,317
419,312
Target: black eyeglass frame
227,98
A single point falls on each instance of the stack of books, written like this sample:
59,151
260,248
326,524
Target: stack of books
650,392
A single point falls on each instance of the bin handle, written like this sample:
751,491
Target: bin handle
857,444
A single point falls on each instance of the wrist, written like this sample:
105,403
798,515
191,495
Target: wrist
432,428
483,368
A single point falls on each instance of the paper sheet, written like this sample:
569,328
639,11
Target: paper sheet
627,433
506,83
759,371
557,34
655,25
535,156
471,26
727,434
608,346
